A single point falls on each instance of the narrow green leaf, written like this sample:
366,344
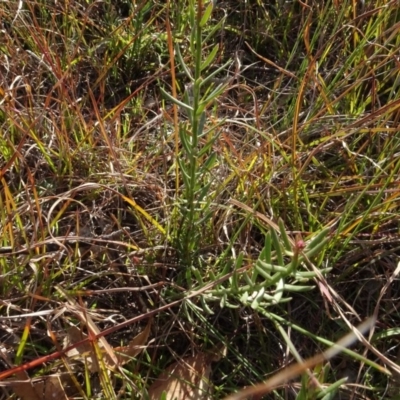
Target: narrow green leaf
185,175
244,297
204,190
185,140
265,254
206,14
206,308
302,395
271,267
163,395
315,250
176,101
293,265
329,393
227,268
262,272
233,280
214,127
305,275
233,306
202,122
284,235
183,64
353,354
189,275
268,298
198,276
239,260
250,282
210,58
204,219
215,28
318,239
274,278
298,288
192,14
207,146
212,276
209,164
279,291
207,80
387,333
256,302
277,246
187,100
222,302
214,94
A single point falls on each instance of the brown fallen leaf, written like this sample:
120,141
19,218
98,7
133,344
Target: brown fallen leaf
186,379
86,319
126,353
85,351
44,388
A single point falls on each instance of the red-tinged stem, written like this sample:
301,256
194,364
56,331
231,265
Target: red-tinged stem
58,354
